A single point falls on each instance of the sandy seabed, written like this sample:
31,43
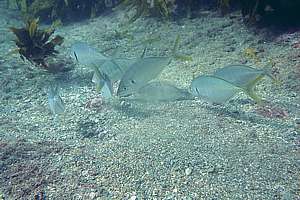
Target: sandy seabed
178,150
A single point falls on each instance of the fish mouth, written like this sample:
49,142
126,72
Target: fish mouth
124,95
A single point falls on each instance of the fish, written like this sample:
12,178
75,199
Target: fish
143,70
113,67
98,81
218,90
161,91
140,73
107,90
86,55
103,83
55,102
241,75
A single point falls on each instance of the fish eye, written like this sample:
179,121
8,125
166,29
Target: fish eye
133,81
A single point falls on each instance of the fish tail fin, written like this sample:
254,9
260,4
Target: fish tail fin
106,82
98,88
107,89
254,96
249,89
53,90
100,76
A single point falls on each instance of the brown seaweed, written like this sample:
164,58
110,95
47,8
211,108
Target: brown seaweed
35,44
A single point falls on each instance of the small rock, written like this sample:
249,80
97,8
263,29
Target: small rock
229,49
92,195
133,197
188,171
211,169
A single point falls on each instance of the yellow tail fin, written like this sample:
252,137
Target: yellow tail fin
249,89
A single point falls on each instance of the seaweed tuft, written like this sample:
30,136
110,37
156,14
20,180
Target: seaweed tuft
162,8
35,45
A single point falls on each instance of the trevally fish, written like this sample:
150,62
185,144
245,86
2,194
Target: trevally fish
55,102
241,75
142,71
218,90
113,67
86,55
103,83
160,91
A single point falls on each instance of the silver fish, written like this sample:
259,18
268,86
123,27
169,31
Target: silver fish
113,67
144,70
241,75
55,102
86,55
140,73
213,89
161,91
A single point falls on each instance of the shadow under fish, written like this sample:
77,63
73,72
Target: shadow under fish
160,92
235,113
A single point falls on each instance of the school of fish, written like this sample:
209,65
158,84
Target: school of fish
136,77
